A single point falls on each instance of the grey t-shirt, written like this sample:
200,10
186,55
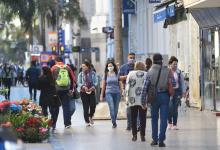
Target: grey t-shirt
112,84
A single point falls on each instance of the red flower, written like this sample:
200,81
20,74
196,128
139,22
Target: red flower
20,129
6,102
32,121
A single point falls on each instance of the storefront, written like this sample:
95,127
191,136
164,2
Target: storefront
209,22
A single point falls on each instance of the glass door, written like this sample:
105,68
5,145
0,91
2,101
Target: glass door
211,68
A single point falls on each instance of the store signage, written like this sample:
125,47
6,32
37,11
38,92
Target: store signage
52,38
160,15
154,1
171,10
128,7
164,13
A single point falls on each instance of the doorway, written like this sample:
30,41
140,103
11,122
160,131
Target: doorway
211,68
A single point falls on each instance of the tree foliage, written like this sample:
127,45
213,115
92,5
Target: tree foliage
26,10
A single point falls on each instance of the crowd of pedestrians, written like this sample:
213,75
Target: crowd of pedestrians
10,75
133,82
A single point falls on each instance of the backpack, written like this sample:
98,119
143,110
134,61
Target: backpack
63,79
149,91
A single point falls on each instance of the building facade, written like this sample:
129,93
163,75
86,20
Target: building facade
92,41
206,13
181,40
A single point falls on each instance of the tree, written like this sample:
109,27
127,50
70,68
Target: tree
118,31
52,10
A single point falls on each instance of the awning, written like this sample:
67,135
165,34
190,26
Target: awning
206,17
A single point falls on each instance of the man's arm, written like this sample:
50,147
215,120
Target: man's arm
72,78
122,74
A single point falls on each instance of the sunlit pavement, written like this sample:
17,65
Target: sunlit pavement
198,131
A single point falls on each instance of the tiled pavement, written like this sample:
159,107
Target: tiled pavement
198,131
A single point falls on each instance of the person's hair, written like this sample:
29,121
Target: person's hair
59,59
47,72
87,64
33,63
73,68
115,67
172,59
139,66
131,53
148,62
158,59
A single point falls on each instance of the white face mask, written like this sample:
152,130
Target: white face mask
131,61
110,69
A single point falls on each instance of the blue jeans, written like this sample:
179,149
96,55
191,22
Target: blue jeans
161,104
72,107
113,100
173,110
65,102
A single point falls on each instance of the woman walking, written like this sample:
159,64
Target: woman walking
48,97
111,90
87,81
180,90
134,86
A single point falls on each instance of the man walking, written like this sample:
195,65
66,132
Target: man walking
32,76
65,85
123,72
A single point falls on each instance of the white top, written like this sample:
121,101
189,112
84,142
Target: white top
134,86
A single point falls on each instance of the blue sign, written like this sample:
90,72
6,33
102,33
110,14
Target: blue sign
164,12
160,14
171,10
128,7
154,1
61,36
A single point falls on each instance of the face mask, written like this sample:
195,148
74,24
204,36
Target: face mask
110,69
131,61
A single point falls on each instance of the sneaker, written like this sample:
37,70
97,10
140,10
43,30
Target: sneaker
175,128
161,144
114,125
169,126
87,124
91,120
68,126
153,143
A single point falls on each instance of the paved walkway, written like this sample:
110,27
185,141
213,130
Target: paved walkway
198,131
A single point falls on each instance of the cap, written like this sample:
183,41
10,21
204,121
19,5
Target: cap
157,58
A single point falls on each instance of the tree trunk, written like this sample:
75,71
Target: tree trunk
118,54
43,30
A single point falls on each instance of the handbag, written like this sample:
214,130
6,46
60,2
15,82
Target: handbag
170,85
152,89
76,94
